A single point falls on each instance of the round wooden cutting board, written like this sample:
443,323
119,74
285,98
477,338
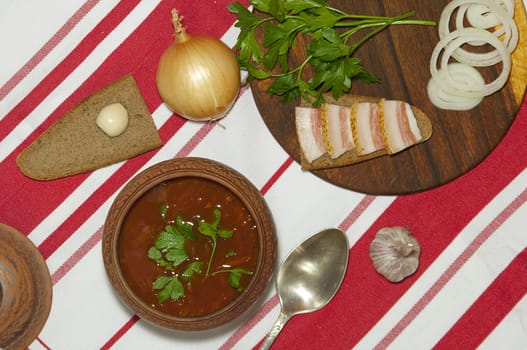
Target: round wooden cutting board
400,57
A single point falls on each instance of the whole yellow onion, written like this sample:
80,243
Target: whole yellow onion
198,76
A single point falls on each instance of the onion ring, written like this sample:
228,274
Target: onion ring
454,40
443,98
479,16
509,31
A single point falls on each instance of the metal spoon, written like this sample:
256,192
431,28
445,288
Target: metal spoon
309,277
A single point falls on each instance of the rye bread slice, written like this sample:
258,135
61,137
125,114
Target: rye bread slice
351,157
75,144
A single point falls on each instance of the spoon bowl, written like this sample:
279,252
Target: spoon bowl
309,277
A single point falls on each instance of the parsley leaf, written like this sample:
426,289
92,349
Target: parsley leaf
235,275
158,256
169,288
169,248
192,268
211,230
154,253
170,238
185,228
176,256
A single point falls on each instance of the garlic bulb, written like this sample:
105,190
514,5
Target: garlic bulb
395,253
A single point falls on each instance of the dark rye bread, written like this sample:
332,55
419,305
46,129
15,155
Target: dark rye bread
351,157
75,144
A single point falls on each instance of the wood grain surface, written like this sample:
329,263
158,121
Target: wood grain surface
25,290
400,56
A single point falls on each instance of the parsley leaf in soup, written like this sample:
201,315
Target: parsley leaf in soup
169,288
235,275
185,228
176,256
169,238
192,268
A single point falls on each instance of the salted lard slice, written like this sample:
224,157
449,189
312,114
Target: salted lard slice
338,135
367,131
309,132
399,125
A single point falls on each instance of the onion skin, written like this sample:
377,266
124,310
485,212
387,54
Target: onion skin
198,76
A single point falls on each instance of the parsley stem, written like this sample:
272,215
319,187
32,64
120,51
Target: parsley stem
416,22
366,37
381,25
211,256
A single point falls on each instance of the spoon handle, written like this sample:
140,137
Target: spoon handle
277,327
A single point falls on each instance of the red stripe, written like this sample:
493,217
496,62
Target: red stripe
41,342
356,212
77,256
196,139
367,296
276,175
480,319
120,333
47,48
452,270
57,75
243,330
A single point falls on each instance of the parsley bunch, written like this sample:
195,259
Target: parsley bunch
329,53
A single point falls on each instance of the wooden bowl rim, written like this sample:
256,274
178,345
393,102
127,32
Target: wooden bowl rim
213,171
26,289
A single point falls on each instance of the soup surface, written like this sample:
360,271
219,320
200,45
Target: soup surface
189,200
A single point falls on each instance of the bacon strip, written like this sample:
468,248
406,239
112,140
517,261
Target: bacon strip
399,125
338,136
367,128
309,132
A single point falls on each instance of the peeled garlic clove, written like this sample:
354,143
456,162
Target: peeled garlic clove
113,119
395,253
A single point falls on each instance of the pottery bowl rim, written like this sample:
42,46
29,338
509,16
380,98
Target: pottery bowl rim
214,171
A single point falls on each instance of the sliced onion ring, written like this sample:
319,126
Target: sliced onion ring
484,19
509,31
479,15
442,97
455,39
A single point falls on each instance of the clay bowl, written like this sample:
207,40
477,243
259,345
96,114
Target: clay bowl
135,287
25,290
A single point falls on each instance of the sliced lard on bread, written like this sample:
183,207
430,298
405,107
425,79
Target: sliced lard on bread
366,128
75,144
336,128
309,132
399,125
379,127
